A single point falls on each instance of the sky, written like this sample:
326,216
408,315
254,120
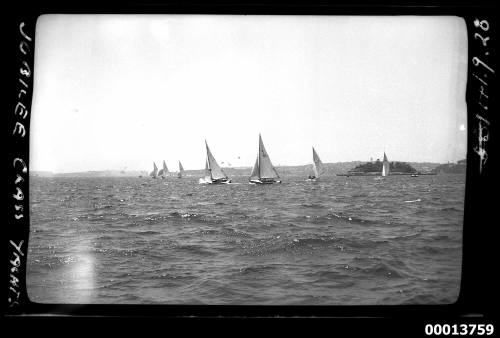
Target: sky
115,92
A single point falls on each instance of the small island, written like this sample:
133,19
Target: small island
375,169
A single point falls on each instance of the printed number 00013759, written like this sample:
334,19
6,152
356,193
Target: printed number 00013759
459,329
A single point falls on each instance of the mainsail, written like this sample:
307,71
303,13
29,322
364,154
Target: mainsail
263,170
318,165
154,172
165,169
163,172
181,170
266,168
216,173
385,166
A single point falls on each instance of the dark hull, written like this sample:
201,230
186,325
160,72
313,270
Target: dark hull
221,182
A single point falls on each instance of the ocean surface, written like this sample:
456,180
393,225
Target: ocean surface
338,241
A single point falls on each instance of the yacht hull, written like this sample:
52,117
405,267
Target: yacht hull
263,182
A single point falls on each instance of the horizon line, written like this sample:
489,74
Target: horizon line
224,167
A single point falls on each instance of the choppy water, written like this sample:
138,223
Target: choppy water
340,241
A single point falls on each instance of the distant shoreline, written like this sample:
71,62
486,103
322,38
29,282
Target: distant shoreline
391,174
337,168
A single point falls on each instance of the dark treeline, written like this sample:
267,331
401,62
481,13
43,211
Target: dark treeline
376,166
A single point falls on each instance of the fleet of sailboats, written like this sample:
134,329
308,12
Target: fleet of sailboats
263,171
164,173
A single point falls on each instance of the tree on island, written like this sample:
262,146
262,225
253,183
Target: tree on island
399,167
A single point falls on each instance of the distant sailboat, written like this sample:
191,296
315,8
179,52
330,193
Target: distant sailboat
163,172
385,166
263,171
317,167
213,172
181,170
154,173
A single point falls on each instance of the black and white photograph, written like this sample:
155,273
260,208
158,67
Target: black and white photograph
247,159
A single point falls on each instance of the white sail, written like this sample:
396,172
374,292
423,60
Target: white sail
215,170
317,165
165,169
208,177
255,171
154,172
181,170
385,166
266,168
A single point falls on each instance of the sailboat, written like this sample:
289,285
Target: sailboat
213,172
263,171
153,174
385,166
181,170
317,167
163,173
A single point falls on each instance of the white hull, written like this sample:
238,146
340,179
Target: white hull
205,181
263,182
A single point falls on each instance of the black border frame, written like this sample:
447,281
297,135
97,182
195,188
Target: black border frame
479,287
